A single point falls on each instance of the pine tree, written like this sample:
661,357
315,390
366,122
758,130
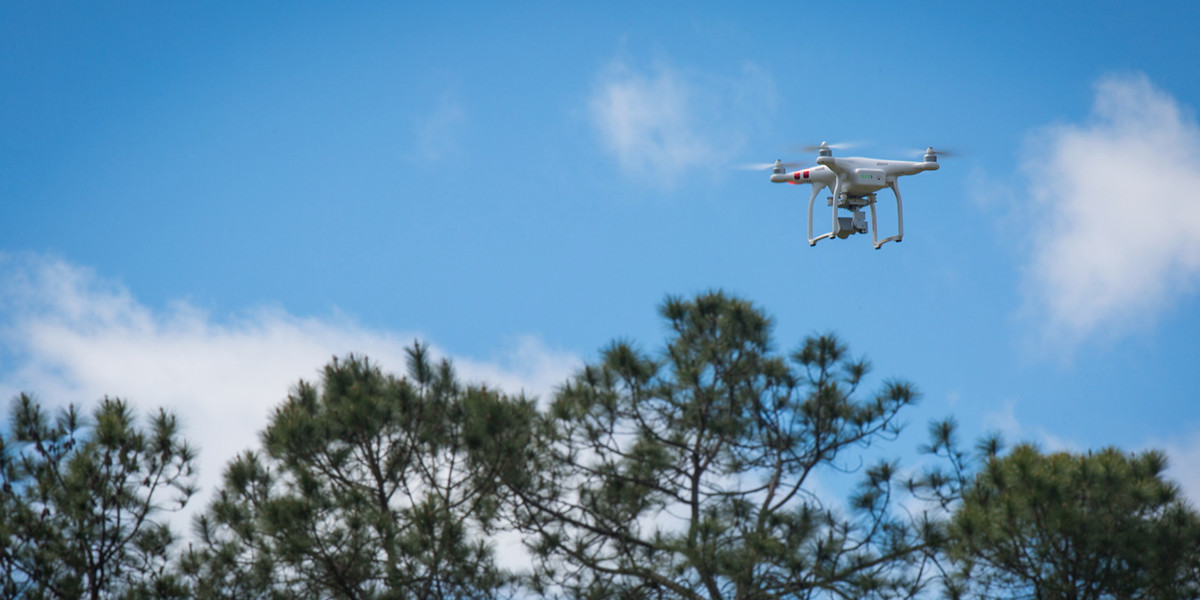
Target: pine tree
83,501
1100,525
691,474
367,486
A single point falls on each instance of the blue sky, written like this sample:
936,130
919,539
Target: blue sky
203,202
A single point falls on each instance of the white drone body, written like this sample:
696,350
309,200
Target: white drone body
853,182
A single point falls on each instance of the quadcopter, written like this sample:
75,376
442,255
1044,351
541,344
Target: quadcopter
853,182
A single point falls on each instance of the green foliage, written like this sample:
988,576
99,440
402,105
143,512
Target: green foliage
367,486
691,474
80,504
1089,526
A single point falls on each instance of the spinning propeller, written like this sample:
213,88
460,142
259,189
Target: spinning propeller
827,146
768,166
779,166
931,155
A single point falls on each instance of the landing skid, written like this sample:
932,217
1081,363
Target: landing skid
844,227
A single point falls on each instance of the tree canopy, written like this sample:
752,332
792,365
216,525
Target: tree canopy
367,486
714,467
1090,526
83,501
691,473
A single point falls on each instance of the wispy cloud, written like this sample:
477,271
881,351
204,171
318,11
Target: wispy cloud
1184,465
73,337
663,121
1115,214
1183,451
1003,420
438,132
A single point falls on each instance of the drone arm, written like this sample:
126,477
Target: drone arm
832,164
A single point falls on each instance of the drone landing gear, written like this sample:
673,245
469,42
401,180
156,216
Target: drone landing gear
899,221
844,227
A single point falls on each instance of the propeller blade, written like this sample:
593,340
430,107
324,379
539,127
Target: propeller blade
837,146
932,150
765,166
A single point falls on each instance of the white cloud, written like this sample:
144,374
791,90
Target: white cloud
1115,214
1004,421
73,337
1183,452
438,132
1184,463
660,123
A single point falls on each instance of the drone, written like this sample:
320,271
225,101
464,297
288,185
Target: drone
853,181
